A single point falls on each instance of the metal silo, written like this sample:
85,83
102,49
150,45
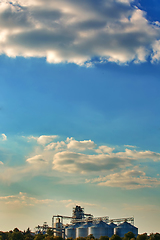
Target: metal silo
71,231
82,231
113,225
109,231
124,228
100,229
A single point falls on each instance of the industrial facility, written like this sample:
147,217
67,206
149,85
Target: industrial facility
82,225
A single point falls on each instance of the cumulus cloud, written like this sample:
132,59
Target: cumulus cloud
55,145
71,143
105,159
82,158
22,199
76,31
36,159
81,145
4,137
104,149
139,154
44,139
131,179
156,51
77,162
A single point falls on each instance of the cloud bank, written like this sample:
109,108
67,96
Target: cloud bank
84,160
22,199
78,31
131,179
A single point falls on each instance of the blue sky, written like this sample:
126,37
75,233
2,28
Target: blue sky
79,110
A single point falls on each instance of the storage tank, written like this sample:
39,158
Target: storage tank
100,229
71,230
82,231
124,228
110,231
113,225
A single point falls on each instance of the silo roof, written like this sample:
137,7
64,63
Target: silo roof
101,224
113,225
125,225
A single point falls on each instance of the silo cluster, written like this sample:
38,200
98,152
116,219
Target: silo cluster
99,229
82,225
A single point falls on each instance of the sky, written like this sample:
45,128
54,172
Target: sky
79,110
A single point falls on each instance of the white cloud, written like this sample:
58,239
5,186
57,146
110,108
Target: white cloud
133,154
4,137
156,51
131,179
44,139
76,31
23,200
56,145
105,159
130,146
81,145
82,163
76,158
36,159
104,149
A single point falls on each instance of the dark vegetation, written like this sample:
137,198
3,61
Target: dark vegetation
16,234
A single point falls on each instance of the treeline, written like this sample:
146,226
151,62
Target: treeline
16,234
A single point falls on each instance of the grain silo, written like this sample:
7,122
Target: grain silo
124,228
100,229
71,230
82,231
113,225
